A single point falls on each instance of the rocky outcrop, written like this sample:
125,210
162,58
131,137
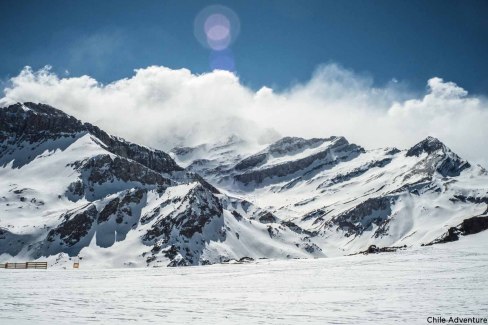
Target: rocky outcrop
267,217
80,224
76,225
110,209
469,226
295,228
107,190
340,178
428,145
171,234
105,169
439,158
339,151
373,249
470,199
360,218
32,123
251,162
293,145
198,208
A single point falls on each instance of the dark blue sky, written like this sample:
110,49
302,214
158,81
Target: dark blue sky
280,42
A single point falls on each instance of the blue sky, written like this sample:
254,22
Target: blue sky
280,42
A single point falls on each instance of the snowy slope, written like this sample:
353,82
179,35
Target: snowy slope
351,198
69,189
404,287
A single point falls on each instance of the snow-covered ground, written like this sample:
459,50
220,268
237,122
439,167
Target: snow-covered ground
404,287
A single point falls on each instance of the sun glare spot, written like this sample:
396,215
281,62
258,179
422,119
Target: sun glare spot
216,28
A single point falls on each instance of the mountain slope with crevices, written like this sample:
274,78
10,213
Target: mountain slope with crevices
70,189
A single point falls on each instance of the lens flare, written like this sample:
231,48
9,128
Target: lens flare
216,27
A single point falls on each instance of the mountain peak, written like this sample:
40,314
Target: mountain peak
70,184
428,145
33,121
288,145
43,109
447,163
36,123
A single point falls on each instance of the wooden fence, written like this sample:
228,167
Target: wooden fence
25,265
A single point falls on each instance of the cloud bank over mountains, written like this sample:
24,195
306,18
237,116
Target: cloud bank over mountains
161,107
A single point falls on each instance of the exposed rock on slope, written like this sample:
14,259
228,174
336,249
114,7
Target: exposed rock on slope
69,187
28,123
350,198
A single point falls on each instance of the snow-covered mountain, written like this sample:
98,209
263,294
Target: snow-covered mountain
349,197
69,189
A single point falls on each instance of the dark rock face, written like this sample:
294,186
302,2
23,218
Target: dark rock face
317,214
341,148
195,177
355,173
271,231
103,168
311,247
171,234
440,158
358,219
246,259
290,145
178,263
469,226
392,151
75,226
237,215
121,207
153,159
373,249
267,217
452,166
451,235
252,161
474,225
200,208
77,188
429,145
296,228
79,225
41,122
117,183
109,210
285,146
470,199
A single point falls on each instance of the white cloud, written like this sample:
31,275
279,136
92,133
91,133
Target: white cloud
162,107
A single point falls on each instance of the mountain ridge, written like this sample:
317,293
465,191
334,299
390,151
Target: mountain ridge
71,189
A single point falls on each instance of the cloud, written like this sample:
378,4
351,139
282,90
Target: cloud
162,107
